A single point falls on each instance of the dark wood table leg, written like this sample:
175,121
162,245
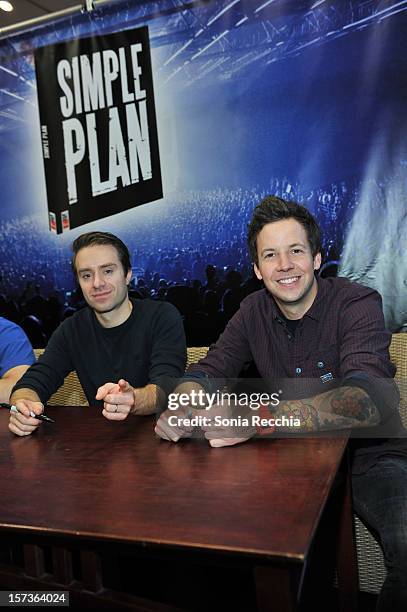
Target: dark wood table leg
276,588
34,565
91,566
62,565
346,562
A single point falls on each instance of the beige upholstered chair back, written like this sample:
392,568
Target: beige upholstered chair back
195,353
71,392
398,355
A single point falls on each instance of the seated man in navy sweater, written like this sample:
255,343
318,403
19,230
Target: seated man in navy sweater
124,351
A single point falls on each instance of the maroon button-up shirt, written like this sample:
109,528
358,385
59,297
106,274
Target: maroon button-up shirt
341,340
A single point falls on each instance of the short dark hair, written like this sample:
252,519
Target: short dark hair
96,238
272,209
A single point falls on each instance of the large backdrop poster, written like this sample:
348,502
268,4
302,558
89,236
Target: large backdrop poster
98,127
301,99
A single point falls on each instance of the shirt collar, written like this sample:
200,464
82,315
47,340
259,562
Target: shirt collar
315,312
317,307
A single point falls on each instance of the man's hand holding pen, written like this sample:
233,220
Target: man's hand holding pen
22,418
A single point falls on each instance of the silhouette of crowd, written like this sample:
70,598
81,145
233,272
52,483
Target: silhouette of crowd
189,249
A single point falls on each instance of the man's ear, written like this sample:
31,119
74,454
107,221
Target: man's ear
317,261
128,277
257,272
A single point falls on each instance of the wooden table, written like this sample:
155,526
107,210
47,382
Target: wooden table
84,490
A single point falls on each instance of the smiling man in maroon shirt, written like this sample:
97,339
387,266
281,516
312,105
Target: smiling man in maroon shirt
326,339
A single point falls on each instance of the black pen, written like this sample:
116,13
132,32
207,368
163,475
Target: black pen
40,417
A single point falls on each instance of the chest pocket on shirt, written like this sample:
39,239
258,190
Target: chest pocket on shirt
324,364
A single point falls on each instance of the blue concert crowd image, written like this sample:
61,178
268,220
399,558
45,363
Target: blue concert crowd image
252,98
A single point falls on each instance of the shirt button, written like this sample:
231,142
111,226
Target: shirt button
289,336
320,364
298,370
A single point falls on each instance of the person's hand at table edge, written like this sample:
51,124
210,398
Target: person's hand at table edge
175,422
175,425
121,399
27,402
223,426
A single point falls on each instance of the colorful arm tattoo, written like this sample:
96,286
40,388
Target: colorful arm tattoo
342,408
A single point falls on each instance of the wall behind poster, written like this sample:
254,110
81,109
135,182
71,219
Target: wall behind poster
305,100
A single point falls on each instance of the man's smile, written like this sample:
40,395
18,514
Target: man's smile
98,296
289,280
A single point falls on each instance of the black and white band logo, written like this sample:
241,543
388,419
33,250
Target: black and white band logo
98,127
